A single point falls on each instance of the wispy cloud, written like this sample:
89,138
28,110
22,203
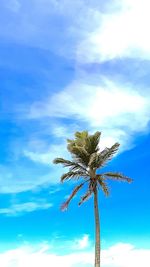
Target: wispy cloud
43,25
21,208
46,155
112,32
22,178
13,5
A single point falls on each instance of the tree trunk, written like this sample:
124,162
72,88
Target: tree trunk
97,230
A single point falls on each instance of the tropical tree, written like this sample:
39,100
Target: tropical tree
87,160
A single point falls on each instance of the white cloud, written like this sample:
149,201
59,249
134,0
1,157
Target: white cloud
82,243
119,255
125,255
39,157
16,209
122,33
120,111
47,155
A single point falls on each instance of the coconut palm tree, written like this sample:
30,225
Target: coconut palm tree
87,160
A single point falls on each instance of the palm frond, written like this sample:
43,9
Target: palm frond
74,166
85,197
80,139
107,154
117,176
83,139
94,160
81,136
83,146
103,185
65,162
79,154
73,175
92,143
64,206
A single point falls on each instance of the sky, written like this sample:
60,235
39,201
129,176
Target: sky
68,66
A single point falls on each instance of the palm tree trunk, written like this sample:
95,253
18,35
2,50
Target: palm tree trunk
97,230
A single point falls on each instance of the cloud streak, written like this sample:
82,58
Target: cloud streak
21,208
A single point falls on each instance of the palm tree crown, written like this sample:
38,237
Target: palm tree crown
86,160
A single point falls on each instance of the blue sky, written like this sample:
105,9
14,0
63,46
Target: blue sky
68,66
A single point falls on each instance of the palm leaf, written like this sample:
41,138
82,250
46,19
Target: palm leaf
92,143
73,175
81,137
64,206
83,146
80,155
85,197
67,163
117,176
103,185
94,161
107,154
